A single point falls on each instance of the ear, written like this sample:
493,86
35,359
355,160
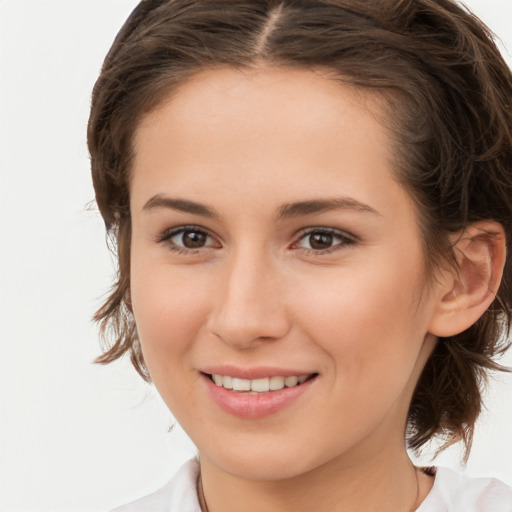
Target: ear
465,292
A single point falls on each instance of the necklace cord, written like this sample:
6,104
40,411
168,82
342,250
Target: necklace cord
200,494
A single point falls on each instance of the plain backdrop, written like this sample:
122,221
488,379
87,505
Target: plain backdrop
75,437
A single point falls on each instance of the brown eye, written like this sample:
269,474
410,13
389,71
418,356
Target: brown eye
188,238
320,241
324,240
193,239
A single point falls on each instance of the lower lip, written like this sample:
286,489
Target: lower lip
244,405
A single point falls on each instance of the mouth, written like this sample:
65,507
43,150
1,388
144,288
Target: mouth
259,386
257,392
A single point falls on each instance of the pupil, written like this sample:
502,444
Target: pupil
320,240
193,239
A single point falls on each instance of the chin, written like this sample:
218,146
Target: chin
266,465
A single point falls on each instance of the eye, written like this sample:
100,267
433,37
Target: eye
188,238
323,240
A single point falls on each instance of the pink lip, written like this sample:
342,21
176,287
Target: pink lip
248,406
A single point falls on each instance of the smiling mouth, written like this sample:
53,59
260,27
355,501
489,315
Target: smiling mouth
258,386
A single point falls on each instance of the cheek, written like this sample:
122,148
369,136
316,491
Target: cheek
369,321
169,310
371,330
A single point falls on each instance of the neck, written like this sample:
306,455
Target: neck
383,483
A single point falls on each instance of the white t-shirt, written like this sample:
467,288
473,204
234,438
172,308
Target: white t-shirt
451,492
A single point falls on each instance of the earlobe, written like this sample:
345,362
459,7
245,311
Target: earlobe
467,291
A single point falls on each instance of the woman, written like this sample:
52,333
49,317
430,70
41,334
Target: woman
311,202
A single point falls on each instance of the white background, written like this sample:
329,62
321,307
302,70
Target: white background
74,436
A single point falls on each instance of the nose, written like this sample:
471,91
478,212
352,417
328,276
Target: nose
249,308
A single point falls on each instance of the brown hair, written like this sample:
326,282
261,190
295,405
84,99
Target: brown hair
449,98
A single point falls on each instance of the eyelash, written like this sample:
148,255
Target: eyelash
343,240
168,235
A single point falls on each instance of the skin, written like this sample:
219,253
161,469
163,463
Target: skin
245,145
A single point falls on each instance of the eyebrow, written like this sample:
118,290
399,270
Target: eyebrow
182,205
289,210
316,206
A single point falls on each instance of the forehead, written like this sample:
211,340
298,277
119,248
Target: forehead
267,94
294,105
253,131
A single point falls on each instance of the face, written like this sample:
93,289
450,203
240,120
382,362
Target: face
274,252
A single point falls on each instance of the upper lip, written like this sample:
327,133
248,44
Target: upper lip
256,372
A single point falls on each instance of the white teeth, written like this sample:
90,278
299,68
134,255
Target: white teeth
289,382
228,382
256,386
241,384
276,383
260,385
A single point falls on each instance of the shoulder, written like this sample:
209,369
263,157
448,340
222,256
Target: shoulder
178,495
454,492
